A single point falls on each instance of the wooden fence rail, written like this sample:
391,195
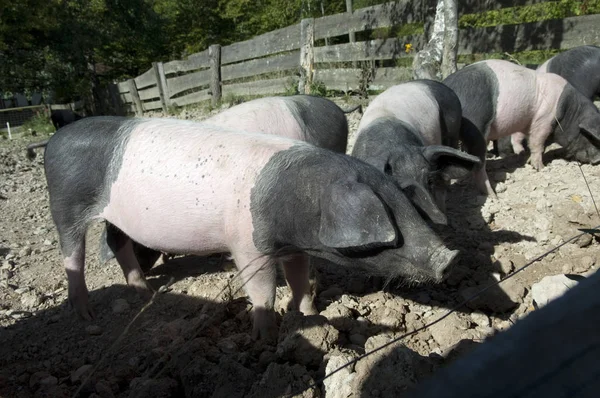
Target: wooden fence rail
294,58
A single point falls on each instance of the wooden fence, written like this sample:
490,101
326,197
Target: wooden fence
294,57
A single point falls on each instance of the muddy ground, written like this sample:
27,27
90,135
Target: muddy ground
193,340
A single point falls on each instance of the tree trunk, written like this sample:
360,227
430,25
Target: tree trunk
438,59
450,37
426,64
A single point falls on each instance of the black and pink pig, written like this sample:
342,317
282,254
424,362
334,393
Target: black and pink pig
194,188
411,131
500,98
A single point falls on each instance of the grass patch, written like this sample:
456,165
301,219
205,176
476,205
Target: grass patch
39,123
536,57
532,13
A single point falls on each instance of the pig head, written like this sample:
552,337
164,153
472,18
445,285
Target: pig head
423,171
346,211
577,126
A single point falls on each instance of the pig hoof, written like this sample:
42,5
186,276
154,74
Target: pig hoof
83,309
308,309
536,162
265,326
518,149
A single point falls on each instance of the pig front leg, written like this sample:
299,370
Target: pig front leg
482,182
78,292
125,252
258,273
516,140
297,275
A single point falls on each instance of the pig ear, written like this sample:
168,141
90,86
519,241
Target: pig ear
590,133
353,216
423,201
452,163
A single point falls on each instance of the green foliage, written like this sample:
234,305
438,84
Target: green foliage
40,123
291,87
536,57
532,13
72,47
317,87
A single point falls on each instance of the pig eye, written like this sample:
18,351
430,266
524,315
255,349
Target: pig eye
387,169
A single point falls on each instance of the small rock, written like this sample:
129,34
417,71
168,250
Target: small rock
227,346
80,373
54,319
505,265
550,288
30,299
449,331
47,242
457,274
501,298
26,251
93,330
120,306
49,381
339,385
305,339
413,319
396,367
141,387
584,264
280,380
339,316
103,390
584,240
36,379
21,290
6,274
358,339
266,358
480,319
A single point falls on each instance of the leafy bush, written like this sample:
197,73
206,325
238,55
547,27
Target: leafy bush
40,123
533,13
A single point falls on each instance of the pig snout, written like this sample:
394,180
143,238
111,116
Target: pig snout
440,261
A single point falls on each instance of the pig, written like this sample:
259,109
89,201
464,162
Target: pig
580,66
195,188
411,131
313,119
500,98
61,117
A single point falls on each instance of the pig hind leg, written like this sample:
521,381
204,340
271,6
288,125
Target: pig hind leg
123,247
258,274
297,275
73,249
516,140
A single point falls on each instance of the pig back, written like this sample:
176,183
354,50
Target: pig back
181,183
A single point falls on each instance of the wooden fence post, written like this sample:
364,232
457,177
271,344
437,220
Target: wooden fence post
214,56
135,96
161,83
113,91
351,34
307,55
